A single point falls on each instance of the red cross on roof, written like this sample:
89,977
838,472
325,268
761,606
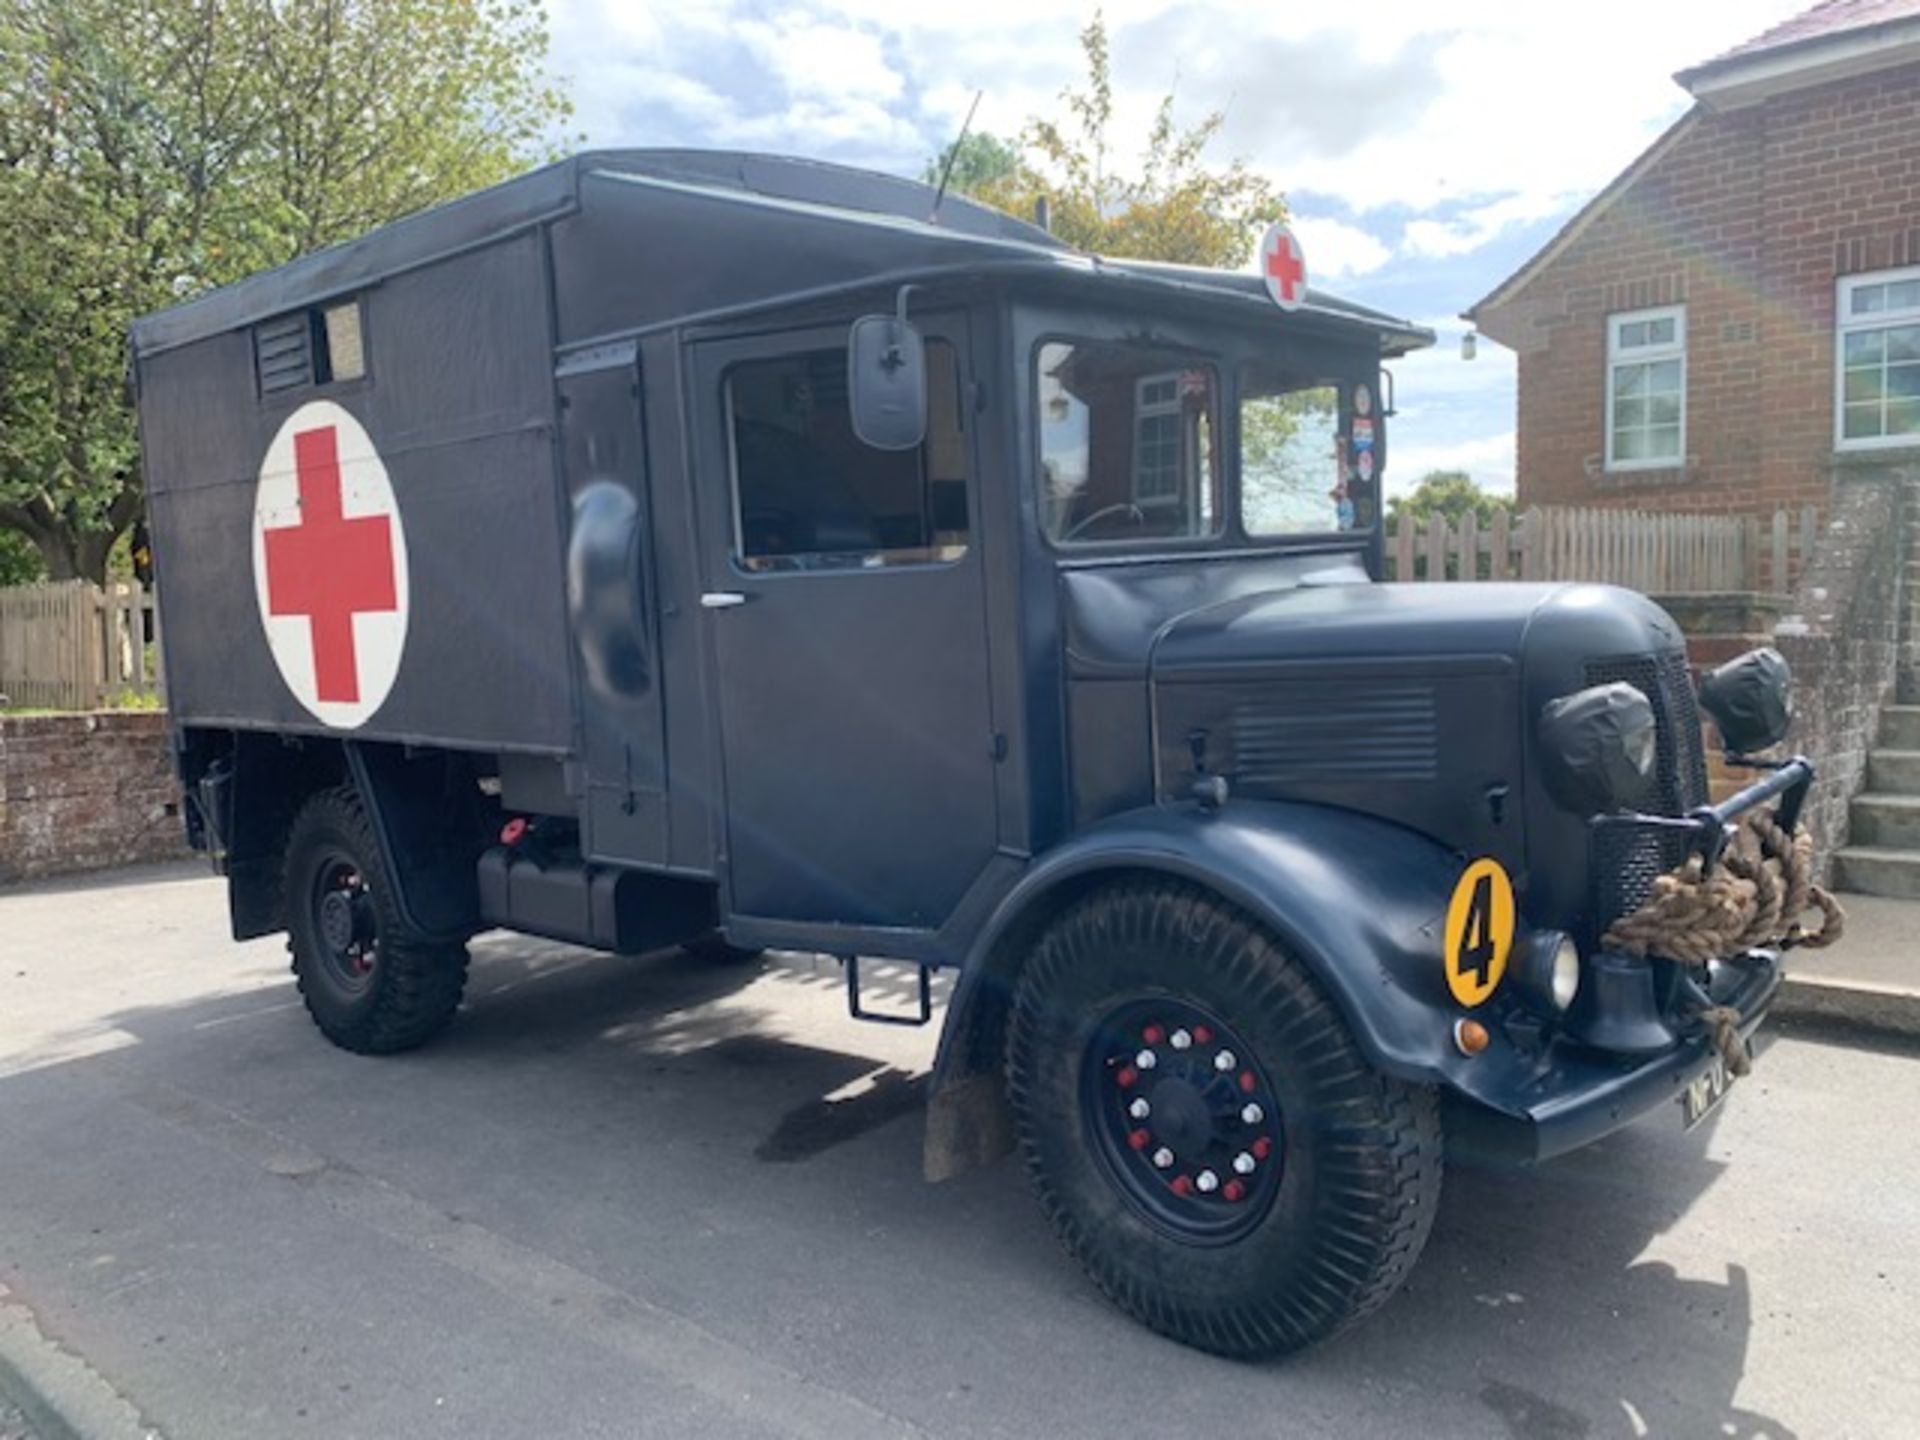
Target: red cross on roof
1285,267
329,568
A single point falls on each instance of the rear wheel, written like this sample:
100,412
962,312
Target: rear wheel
1204,1133
371,983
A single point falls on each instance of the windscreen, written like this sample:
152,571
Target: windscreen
1294,466
1127,443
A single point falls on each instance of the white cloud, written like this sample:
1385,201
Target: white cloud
1487,458
1336,250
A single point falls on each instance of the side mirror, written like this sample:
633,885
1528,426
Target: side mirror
887,381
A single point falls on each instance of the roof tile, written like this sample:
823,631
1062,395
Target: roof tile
1827,19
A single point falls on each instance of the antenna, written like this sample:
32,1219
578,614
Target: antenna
953,154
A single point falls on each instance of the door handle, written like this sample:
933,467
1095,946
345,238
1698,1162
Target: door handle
721,599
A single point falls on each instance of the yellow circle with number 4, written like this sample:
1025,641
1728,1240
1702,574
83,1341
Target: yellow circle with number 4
1479,932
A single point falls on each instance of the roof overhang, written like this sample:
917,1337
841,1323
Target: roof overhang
1736,81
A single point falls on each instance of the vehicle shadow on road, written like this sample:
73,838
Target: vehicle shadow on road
702,1132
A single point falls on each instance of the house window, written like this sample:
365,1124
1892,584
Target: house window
1877,380
1647,388
1157,432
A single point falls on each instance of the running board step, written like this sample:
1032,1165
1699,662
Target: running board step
923,1015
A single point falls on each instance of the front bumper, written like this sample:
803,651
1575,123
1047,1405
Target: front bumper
1589,1093
1575,1091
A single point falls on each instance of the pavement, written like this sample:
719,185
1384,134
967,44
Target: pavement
638,1197
1869,979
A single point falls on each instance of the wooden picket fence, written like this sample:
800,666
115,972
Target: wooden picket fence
1655,553
69,645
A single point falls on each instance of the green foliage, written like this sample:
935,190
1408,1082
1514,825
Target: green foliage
1287,458
19,561
1173,207
1451,493
979,160
152,151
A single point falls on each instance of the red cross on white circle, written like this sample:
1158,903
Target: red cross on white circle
1283,265
330,565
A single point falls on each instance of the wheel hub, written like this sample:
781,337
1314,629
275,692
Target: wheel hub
336,919
344,923
1184,1118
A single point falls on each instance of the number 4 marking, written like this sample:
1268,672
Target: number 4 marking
1476,945
1479,934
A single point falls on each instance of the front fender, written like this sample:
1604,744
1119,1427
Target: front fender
1360,901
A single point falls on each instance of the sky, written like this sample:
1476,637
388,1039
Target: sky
1427,148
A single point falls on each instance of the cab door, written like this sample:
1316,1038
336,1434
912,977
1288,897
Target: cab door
845,609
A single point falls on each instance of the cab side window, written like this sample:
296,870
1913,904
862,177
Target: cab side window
809,495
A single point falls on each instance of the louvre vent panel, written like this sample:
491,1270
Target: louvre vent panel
1308,734
283,350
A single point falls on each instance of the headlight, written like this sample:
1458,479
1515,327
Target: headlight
1549,972
1598,746
1750,700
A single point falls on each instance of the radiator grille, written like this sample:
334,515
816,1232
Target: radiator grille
1627,859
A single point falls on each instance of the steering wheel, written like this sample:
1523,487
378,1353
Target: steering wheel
1126,507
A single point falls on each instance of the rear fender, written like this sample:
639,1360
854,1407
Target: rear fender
1358,900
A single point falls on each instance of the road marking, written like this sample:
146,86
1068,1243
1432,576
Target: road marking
681,1351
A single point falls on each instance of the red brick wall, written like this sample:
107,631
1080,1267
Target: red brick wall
78,792
1748,218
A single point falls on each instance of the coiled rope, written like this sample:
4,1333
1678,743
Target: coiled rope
1755,896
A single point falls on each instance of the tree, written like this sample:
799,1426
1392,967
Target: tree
152,151
979,161
1450,493
19,561
1174,207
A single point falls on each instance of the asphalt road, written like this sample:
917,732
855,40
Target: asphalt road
643,1197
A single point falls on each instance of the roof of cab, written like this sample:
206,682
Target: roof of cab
899,234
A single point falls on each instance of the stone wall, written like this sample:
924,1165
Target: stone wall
80,792
1840,631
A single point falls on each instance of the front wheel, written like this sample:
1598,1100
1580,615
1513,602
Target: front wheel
1205,1135
371,982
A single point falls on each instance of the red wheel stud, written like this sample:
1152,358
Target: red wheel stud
1127,1076
1182,1185
1202,1035
1247,1081
1139,1139
1153,1034
1233,1190
1262,1148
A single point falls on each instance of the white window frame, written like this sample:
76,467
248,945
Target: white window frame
1158,409
1845,323
1676,349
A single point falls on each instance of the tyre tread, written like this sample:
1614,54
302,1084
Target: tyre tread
1383,1176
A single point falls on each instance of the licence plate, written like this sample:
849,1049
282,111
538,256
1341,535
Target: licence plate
1704,1092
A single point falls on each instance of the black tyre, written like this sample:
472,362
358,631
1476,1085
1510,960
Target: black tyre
713,949
371,983
1203,1132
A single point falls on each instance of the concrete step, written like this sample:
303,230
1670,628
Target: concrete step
1878,870
1885,820
1893,772
1900,727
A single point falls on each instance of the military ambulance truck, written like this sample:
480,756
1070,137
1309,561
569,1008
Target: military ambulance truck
732,552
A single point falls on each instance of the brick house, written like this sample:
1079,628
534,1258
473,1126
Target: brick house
1736,318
